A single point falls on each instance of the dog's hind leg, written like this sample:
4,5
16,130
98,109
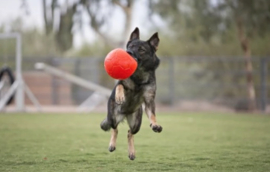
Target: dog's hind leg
131,149
134,121
107,123
115,121
112,145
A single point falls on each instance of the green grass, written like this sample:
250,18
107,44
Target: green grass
189,142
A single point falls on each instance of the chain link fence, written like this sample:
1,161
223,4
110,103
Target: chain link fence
216,80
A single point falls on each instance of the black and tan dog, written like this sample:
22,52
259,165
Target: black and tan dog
128,95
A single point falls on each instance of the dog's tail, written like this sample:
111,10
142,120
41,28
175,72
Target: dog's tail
105,125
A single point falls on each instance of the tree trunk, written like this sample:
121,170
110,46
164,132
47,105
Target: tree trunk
47,21
96,23
248,65
128,19
64,35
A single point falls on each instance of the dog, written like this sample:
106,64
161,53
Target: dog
130,94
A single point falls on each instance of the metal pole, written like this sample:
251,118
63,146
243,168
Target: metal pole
171,81
74,79
55,86
19,92
264,62
9,93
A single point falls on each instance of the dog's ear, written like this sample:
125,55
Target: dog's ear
154,41
135,34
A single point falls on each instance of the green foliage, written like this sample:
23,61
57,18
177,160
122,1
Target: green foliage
212,28
35,43
216,46
209,29
189,142
253,14
95,49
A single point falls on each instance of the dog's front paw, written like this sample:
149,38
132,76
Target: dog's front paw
156,128
119,94
120,99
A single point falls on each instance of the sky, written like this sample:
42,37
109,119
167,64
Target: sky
11,9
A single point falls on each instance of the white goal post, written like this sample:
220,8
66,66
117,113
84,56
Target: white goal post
18,86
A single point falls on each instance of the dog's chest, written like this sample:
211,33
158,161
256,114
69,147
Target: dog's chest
140,77
133,99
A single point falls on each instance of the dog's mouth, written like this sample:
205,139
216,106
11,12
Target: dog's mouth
132,55
135,58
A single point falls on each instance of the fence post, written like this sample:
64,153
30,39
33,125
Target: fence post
263,68
20,90
75,88
55,85
95,70
171,81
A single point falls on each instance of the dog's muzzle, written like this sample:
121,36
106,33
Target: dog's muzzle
132,55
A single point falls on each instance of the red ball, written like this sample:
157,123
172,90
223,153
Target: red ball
119,64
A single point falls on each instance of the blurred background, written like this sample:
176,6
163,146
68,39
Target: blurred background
214,53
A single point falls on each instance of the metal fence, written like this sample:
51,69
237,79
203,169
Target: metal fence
216,80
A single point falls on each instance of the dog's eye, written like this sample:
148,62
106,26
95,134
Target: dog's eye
141,50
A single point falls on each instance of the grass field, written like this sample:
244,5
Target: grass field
188,142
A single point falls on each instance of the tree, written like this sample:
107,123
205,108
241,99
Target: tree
250,17
60,26
207,19
99,18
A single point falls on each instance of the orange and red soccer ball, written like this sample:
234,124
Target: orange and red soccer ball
119,64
